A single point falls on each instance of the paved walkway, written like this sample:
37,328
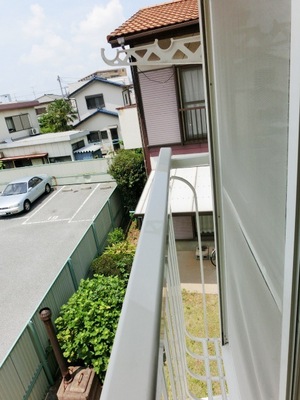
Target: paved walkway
189,269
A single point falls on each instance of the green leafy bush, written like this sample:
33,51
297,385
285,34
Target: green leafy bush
115,236
87,323
116,259
128,169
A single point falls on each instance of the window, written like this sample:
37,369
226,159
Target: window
104,135
60,159
192,103
78,145
96,101
127,97
41,110
18,123
115,138
94,137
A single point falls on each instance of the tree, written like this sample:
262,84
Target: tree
128,169
59,117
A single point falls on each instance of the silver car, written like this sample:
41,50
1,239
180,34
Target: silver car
21,193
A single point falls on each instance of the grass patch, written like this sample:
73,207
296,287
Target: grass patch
194,320
193,313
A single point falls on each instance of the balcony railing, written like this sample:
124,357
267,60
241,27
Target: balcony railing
149,355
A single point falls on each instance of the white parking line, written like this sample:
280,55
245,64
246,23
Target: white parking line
39,208
90,195
49,221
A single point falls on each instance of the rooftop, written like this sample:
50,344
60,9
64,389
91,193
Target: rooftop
15,105
161,15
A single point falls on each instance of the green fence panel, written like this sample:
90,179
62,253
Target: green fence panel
83,255
11,387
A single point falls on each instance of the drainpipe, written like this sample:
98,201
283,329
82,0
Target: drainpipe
45,316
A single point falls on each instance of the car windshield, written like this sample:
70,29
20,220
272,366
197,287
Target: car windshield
15,188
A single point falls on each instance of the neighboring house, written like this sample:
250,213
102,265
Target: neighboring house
18,120
21,143
50,147
96,101
162,46
44,102
116,75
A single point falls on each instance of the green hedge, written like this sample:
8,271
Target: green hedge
87,323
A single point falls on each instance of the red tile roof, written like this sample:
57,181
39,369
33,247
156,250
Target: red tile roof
161,15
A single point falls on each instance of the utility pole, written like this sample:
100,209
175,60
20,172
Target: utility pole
61,89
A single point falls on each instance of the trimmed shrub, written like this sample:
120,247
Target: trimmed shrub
87,323
116,259
128,169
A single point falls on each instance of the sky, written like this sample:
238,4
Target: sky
46,42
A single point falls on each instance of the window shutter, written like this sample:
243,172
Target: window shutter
158,90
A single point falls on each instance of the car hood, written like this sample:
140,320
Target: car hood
6,201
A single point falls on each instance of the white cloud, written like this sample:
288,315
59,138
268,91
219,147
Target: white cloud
99,22
64,41
52,48
37,21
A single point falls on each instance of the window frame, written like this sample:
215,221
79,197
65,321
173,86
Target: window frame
17,123
92,100
192,114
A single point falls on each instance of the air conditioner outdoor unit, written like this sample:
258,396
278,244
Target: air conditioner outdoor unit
33,131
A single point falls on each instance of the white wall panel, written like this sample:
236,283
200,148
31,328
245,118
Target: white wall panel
250,68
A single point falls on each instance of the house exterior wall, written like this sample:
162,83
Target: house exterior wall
55,144
160,110
161,125
103,122
112,96
4,132
129,122
250,132
53,149
99,122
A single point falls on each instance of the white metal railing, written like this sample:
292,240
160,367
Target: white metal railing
150,351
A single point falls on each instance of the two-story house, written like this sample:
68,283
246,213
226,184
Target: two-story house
96,101
162,46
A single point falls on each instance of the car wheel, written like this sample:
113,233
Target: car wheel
27,205
47,188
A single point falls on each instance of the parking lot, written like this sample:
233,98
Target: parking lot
36,245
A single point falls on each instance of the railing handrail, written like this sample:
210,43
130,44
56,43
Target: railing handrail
132,371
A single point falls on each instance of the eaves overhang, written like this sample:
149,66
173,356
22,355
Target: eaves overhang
141,37
98,111
98,80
